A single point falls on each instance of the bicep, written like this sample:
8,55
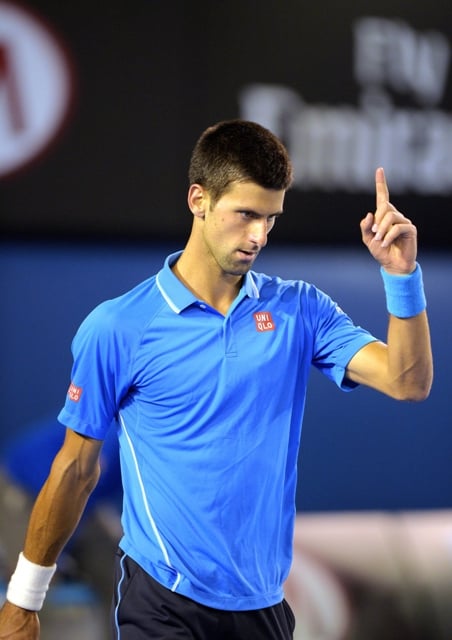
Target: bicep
79,453
369,366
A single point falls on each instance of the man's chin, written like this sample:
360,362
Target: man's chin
240,267
239,264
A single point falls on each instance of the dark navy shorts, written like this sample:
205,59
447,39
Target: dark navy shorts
145,610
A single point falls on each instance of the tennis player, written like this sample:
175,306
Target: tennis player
205,367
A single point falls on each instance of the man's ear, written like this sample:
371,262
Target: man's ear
198,200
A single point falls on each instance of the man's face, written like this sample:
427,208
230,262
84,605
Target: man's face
236,227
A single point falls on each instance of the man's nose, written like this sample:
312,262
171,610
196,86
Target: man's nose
259,232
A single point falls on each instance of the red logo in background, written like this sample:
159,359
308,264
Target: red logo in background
74,392
36,87
264,321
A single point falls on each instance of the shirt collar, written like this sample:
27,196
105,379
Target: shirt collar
178,297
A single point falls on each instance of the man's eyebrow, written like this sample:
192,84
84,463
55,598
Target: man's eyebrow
276,214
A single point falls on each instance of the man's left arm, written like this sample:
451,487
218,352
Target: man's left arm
403,367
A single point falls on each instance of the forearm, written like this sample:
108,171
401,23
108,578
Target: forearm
55,515
409,355
409,358
402,368
57,510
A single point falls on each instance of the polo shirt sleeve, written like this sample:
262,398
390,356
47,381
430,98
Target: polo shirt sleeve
101,352
336,338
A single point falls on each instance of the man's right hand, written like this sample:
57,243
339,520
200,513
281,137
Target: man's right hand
17,623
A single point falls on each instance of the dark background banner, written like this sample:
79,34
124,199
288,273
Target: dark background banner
348,86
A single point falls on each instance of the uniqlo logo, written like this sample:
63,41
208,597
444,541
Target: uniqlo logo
264,321
74,392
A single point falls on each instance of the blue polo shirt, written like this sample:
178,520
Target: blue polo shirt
210,410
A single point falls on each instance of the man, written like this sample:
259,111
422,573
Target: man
22,474
205,366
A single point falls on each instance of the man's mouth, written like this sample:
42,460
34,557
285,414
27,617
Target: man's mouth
248,254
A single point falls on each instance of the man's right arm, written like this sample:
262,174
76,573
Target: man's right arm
55,515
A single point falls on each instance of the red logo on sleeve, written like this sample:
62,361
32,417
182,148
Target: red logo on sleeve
264,321
74,392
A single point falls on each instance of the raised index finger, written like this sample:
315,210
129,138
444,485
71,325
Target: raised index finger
381,188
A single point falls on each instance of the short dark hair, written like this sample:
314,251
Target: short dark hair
239,151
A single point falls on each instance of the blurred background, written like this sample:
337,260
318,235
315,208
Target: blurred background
99,109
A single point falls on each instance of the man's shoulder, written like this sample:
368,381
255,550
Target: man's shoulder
294,294
127,311
276,285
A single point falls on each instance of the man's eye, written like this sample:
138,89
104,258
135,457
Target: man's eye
250,215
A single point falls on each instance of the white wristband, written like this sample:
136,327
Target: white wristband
29,584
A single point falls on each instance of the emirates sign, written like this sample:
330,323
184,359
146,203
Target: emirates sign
35,87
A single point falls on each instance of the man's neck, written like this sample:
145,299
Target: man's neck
217,289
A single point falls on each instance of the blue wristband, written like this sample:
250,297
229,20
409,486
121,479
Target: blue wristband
405,295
